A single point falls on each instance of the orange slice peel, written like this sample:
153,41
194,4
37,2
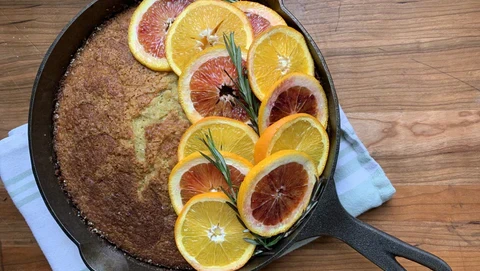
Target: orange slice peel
228,135
148,28
293,93
202,25
276,191
209,235
301,132
276,52
206,87
261,17
195,175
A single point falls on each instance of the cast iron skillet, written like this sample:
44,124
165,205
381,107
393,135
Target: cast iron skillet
328,218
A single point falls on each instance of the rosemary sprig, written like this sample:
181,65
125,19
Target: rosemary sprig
247,100
264,244
231,1
219,162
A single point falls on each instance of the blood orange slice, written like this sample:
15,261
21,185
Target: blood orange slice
206,89
195,175
148,28
260,16
293,93
276,191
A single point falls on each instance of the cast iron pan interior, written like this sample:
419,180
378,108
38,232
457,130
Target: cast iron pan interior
329,217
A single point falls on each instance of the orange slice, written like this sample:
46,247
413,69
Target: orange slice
148,28
293,93
209,235
228,134
276,191
206,89
278,51
195,175
201,25
301,132
260,16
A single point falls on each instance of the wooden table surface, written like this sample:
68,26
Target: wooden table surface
407,74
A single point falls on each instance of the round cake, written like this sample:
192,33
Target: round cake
117,127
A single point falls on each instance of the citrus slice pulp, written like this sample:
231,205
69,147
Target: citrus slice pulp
278,51
228,134
206,88
148,28
209,235
201,25
293,93
301,132
260,16
276,191
195,175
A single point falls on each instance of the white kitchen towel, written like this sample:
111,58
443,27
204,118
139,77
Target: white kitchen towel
361,185
16,174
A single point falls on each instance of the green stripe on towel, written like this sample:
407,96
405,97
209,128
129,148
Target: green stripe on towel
28,199
22,188
18,177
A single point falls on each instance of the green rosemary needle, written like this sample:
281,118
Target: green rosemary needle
247,100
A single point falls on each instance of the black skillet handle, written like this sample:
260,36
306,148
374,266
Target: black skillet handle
330,218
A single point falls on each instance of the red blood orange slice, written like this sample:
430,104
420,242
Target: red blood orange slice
292,94
206,89
195,175
260,16
276,191
148,28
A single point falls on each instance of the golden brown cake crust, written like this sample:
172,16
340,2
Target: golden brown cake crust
117,128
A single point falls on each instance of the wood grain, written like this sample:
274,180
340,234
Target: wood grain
407,74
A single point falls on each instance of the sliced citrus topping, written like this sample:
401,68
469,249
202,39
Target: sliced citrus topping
275,53
195,175
276,192
301,132
293,93
228,135
260,16
148,28
202,25
206,89
209,235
